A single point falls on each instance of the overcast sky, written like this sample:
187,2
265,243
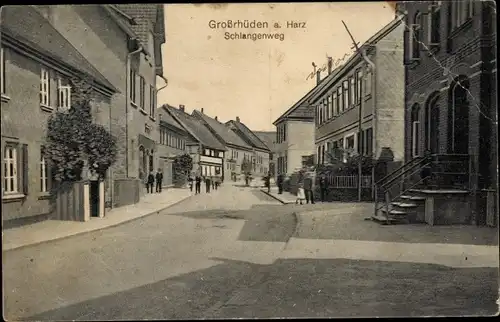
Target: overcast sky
257,80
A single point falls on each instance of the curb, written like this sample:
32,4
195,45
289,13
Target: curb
95,230
280,200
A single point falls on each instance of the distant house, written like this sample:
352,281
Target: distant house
37,63
172,143
351,89
204,148
269,139
295,135
261,153
238,150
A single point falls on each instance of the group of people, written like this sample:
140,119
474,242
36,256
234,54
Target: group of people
154,178
210,182
306,185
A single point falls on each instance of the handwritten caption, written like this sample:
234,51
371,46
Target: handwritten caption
227,25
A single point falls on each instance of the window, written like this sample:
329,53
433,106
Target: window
284,132
359,80
44,87
368,83
461,11
133,88
339,100
330,105
325,109
44,182
350,142
152,101
142,94
221,154
2,71
207,152
63,95
415,130
345,95
10,170
434,24
352,90
415,38
368,142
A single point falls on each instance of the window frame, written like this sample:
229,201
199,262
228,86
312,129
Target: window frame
415,138
142,93
339,100
63,95
352,91
44,174
434,24
359,83
345,94
152,101
11,184
45,86
133,87
3,89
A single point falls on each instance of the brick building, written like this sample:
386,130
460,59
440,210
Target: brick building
261,153
172,143
204,148
238,150
450,58
124,43
36,64
356,94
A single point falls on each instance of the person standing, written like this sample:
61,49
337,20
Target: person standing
212,180
217,182
190,182
150,182
300,193
268,182
198,184
280,184
308,189
159,180
322,187
207,183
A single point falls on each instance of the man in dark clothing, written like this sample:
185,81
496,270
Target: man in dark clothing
150,182
322,187
159,180
308,189
212,180
280,184
268,182
198,184
190,182
207,183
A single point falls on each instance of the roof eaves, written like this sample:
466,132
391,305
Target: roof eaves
297,104
127,29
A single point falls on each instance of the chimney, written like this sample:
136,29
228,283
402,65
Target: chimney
330,65
181,107
202,110
318,77
216,118
238,119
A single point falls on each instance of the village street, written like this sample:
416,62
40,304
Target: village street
236,252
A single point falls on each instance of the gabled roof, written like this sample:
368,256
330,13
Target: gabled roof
27,26
223,131
356,57
247,134
167,118
301,108
268,137
196,128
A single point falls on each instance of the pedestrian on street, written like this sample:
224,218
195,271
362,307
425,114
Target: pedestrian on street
300,193
323,187
190,182
198,184
207,183
308,188
217,182
280,184
268,182
159,180
150,182
212,180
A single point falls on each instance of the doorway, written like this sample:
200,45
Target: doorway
94,198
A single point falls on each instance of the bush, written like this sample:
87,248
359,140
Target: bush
182,166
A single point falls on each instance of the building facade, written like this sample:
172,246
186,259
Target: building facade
269,139
451,107
124,43
261,153
36,65
204,148
360,107
238,151
172,143
294,135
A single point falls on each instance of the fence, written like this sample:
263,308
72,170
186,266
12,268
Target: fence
348,182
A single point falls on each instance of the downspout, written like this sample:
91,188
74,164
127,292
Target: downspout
127,103
166,84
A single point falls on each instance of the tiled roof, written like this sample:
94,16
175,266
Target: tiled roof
195,126
222,130
268,138
28,26
249,135
167,118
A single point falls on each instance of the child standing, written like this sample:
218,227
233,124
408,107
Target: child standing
300,194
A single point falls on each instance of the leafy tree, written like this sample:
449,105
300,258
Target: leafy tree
182,166
73,139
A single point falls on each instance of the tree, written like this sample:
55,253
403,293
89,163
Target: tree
246,168
73,140
182,166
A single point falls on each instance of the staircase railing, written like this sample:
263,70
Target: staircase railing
386,183
445,171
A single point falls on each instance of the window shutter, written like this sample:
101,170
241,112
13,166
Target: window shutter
407,46
25,175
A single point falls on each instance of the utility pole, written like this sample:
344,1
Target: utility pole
360,115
